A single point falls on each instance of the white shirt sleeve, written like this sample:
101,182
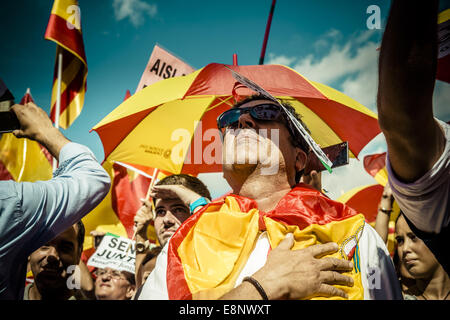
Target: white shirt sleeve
378,275
425,201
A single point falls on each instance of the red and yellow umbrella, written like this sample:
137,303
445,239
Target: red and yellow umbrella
167,124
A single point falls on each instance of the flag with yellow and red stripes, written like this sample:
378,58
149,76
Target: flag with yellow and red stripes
64,28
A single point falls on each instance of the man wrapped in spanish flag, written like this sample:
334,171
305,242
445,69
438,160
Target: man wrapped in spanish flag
273,237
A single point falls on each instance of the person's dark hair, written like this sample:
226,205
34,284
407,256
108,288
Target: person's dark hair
188,181
80,234
296,140
151,254
129,276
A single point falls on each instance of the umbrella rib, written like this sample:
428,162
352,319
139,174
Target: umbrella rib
221,101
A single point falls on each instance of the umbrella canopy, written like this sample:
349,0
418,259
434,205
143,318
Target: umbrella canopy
170,120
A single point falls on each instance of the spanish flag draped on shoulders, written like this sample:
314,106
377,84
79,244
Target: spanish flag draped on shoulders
230,239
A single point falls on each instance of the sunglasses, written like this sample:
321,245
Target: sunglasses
265,112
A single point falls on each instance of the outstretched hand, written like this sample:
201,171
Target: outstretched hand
143,217
301,274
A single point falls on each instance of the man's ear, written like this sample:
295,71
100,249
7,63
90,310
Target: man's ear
130,291
300,159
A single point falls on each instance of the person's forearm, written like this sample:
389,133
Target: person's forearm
382,225
408,58
407,68
53,140
245,291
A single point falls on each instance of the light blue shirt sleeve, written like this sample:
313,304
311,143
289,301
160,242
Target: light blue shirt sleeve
33,213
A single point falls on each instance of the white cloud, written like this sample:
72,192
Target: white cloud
135,10
352,64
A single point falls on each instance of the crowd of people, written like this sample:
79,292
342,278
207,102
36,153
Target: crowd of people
274,236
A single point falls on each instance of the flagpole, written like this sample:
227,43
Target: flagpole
58,98
266,36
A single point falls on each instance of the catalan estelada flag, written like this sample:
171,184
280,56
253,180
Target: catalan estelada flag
64,28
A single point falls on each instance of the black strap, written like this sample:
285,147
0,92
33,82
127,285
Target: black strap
257,286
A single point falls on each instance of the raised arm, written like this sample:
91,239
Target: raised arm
49,207
407,70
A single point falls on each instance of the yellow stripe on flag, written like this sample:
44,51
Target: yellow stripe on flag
212,258
68,74
65,9
444,16
24,159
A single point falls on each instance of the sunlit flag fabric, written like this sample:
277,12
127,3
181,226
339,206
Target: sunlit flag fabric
375,165
64,28
23,159
211,250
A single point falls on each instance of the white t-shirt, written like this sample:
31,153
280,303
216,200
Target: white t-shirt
425,201
377,270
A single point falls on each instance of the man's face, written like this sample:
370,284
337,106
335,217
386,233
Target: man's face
413,253
258,143
112,285
49,263
170,214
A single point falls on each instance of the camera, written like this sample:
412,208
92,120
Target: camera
8,119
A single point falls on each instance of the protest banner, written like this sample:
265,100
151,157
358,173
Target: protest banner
114,252
162,65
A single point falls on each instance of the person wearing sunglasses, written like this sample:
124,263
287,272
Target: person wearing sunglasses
239,246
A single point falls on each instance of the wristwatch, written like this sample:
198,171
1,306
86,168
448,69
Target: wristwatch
197,203
141,247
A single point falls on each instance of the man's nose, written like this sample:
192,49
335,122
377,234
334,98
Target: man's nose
246,121
169,219
52,256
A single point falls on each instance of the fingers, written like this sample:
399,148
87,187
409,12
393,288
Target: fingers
332,277
287,242
323,249
336,264
146,203
163,192
330,291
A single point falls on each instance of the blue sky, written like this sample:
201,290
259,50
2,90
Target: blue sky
327,41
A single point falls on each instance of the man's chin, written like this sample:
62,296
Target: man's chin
51,280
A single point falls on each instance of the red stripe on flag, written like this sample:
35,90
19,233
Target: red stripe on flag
126,194
4,173
72,39
69,93
366,201
374,163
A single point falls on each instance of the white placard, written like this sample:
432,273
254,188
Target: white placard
114,252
